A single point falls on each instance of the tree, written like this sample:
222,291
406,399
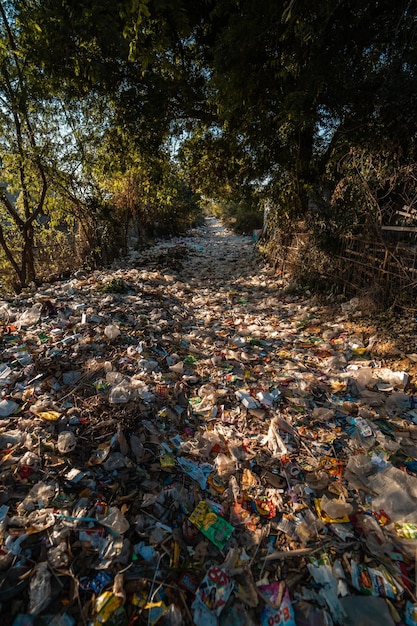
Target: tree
296,84
23,165
266,96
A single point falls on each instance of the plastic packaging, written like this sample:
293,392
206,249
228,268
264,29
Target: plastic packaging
410,614
106,608
67,442
201,399
274,441
39,589
172,617
279,609
114,378
58,556
214,590
248,401
211,525
336,508
120,394
374,582
115,521
225,465
8,407
111,331
30,316
38,497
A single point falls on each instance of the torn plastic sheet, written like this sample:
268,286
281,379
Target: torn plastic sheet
274,441
197,471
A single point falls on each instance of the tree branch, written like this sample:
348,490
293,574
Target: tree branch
8,253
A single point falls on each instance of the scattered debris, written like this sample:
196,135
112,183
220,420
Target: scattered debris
184,442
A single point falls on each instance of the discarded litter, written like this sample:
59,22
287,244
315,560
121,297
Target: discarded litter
184,442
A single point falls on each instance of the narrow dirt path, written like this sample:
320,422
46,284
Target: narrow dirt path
183,440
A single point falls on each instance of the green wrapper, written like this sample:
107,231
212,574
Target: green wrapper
211,525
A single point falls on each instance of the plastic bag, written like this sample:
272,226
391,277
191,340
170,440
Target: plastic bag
171,617
66,442
120,394
30,316
111,331
336,508
275,444
225,465
58,556
40,589
115,521
38,497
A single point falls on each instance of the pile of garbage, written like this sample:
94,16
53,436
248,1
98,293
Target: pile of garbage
184,442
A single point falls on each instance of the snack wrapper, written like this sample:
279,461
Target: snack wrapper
410,614
215,589
374,582
211,525
283,614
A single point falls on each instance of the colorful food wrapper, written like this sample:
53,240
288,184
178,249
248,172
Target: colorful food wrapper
197,471
283,614
240,515
215,589
410,614
374,582
216,483
167,461
49,416
264,507
211,525
105,606
409,531
156,608
173,444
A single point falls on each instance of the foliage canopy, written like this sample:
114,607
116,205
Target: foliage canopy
134,107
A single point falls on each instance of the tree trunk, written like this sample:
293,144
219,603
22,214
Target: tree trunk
305,153
28,257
